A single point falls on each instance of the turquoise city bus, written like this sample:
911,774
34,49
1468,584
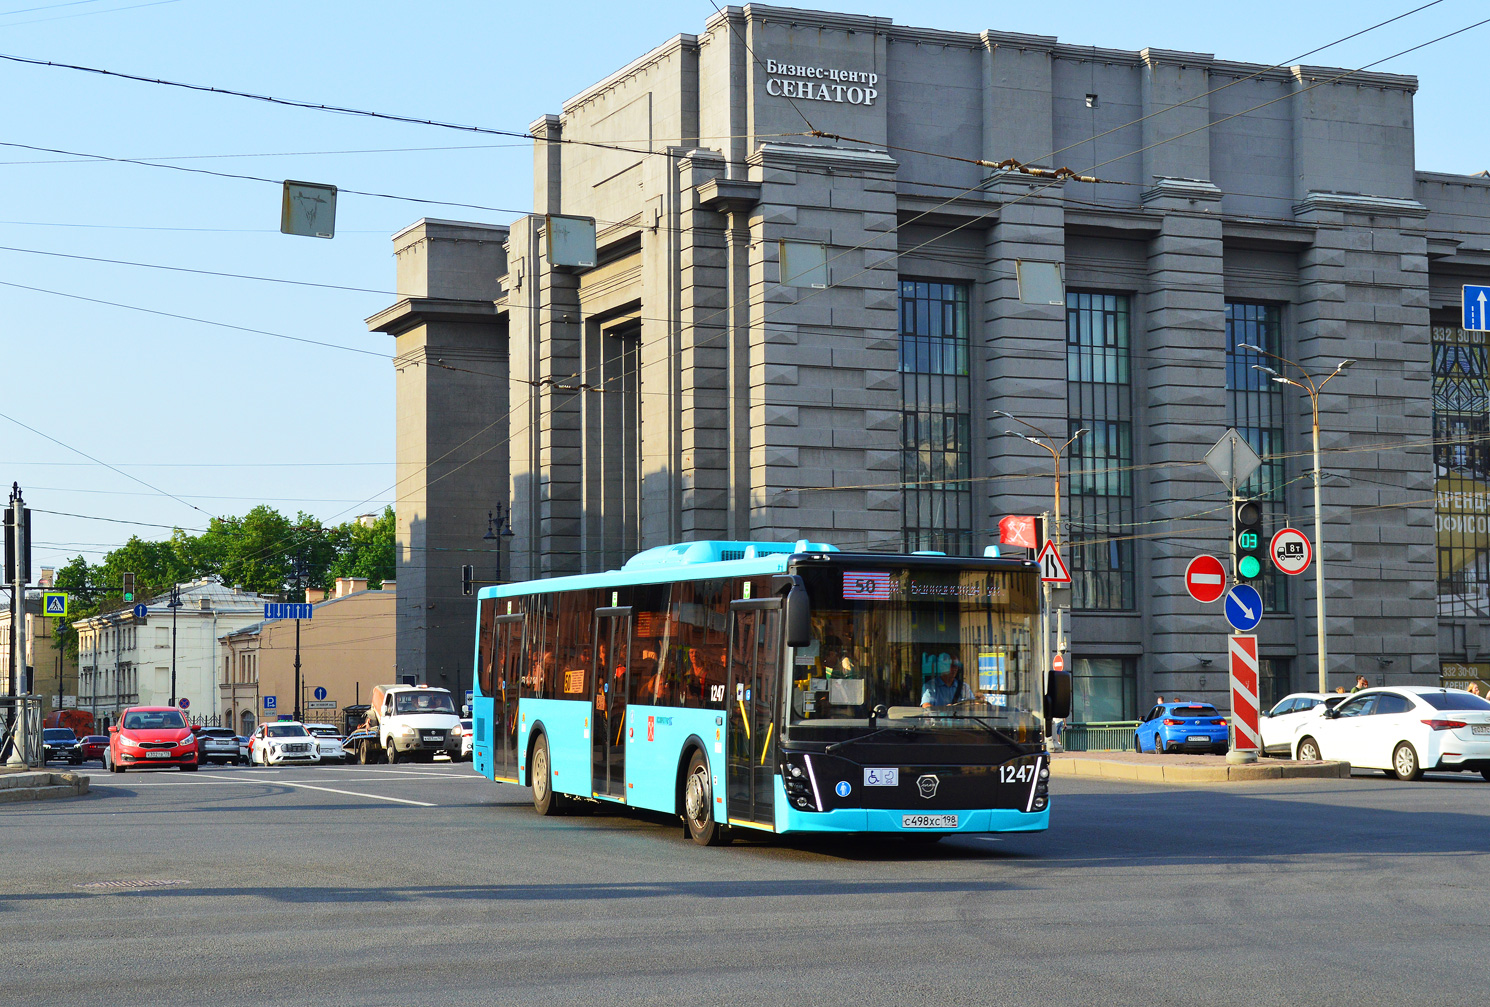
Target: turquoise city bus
790,688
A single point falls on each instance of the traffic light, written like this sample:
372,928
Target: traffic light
466,573
129,587
1247,530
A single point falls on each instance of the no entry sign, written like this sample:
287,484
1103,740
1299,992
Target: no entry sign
1291,551
1205,579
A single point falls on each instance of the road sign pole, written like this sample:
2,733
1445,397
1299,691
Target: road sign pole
18,622
1324,681
297,669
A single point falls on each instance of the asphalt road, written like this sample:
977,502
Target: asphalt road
429,885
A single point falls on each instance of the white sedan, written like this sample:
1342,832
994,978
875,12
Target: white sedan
467,738
1279,726
283,741
1402,731
328,741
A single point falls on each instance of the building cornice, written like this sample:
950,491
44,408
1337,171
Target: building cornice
414,311
728,195
1354,202
791,155
676,44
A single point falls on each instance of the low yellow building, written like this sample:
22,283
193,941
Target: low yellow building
346,648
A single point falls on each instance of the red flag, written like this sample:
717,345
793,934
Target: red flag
1018,530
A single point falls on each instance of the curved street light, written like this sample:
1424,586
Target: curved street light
1313,388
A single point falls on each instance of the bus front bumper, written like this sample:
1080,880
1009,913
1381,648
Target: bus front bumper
936,823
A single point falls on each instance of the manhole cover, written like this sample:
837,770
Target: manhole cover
130,883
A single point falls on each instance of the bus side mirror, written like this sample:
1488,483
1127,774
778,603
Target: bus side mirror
798,616
1058,696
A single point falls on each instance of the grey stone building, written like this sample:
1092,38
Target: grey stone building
827,254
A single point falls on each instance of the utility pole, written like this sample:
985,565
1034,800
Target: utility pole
18,559
300,577
1313,388
173,605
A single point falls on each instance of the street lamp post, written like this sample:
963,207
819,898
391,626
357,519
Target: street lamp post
1046,441
1313,388
498,527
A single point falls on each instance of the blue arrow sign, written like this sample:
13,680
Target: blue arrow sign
1475,301
141,611
1243,608
286,610
320,692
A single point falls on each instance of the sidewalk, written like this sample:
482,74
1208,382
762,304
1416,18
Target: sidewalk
1149,768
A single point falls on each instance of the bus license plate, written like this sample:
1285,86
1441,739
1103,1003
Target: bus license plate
928,821
157,755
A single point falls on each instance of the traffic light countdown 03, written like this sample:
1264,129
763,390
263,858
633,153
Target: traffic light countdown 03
1248,540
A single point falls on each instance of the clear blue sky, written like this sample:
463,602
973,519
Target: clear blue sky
227,419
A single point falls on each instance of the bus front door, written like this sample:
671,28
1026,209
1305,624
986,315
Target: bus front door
755,648
504,696
610,668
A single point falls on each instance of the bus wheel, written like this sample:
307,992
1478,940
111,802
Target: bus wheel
698,804
545,801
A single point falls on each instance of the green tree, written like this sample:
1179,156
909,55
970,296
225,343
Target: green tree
364,550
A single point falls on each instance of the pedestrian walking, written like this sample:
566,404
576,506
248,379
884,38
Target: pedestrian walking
1360,683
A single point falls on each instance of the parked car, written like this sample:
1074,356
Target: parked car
1402,731
1278,726
1197,728
61,744
151,736
283,741
467,737
93,746
219,745
329,741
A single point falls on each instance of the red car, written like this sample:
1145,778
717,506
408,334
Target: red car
151,736
93,747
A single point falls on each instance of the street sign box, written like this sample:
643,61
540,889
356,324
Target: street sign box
1052,567
1205,579
308,209
1232,459
1291,551
287,610
1473,301
1243,608
1244,705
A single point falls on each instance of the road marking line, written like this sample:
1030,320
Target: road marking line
332,790
400,772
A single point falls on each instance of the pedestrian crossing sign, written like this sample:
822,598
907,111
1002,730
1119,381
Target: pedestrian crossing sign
54,603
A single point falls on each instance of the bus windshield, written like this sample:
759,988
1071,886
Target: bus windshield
921,647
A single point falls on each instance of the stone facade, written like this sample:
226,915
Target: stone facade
686,388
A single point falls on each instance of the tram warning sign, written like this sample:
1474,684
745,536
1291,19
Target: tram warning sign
1052,567
1291,551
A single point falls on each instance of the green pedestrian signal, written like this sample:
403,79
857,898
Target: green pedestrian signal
1247,535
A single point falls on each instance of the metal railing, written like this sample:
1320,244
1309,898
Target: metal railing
21,731
1099,736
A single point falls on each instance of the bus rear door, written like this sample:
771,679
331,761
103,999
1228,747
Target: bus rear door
755,648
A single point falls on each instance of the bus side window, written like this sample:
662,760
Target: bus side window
648,632
572,652
538,677
487,634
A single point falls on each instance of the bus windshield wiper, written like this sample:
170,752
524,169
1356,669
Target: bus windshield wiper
985,724
865,737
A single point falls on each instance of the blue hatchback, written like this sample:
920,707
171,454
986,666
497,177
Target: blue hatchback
1198,728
